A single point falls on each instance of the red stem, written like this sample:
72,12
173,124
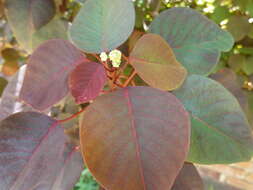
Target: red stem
71,117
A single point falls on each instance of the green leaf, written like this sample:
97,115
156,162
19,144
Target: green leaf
56,28
28,16
3,83
156,63
220,130
220,13
141,135
103,25
236,62
195,40
248,65
239,27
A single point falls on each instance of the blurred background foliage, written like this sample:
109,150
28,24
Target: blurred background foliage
236,16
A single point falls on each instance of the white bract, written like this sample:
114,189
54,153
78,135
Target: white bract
103,56
115,57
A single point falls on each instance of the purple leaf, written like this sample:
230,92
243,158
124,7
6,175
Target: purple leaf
87,81
34,154
188,179
46,79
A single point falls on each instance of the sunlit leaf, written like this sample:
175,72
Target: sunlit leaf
46,79
188,179
156,63
10,54
195,40
220,130
141,135
87,81
27,16
103,25
10,68
28,159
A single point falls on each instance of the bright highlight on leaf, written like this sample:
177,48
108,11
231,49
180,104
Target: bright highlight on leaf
156,63
139,133
103,25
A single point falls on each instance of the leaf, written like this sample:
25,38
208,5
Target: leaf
103,25
238,26
46,79
87,81
220,13
156,63
9,101
248,65
236,62
188,179
195,40
10,54
220,130
229,80
142,136
3,83
27,158
10,68
27,16
55,29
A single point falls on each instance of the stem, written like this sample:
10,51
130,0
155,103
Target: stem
103,63
130,78
71,117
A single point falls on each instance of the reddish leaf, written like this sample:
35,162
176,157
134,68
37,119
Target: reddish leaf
46,79
135,138
156,63
188,179
34,154
87,81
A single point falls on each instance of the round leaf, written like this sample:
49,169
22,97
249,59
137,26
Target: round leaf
87,81
239,27
195,40
46,78
156,63
141,135
103,25
27,158
220,130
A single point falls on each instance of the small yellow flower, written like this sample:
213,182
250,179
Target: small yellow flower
103,56
115,57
